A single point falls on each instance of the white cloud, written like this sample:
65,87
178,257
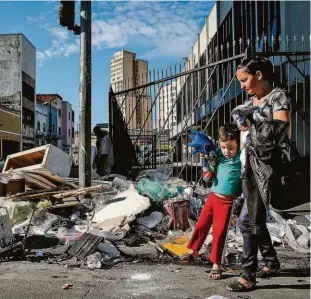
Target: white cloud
163,28
166,28
105,35
59,33
58,50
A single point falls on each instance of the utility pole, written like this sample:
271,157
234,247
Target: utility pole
67,18
85,95
50,124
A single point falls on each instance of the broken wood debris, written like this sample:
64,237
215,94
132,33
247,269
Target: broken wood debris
85,246
84,191
34,195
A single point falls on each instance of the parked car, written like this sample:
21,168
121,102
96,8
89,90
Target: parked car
162,158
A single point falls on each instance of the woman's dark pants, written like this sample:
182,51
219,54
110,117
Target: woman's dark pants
253,242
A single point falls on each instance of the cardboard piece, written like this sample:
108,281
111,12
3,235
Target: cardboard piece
178,246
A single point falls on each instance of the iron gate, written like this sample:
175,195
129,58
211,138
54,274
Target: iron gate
200,93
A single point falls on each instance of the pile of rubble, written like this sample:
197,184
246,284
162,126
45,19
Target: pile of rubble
45,215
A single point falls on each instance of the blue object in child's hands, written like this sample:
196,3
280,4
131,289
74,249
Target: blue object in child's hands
201,143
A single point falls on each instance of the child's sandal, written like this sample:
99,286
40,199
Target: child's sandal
215,272
188,257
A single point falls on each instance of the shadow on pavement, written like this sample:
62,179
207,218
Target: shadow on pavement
284,286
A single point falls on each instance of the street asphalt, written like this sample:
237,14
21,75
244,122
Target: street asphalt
136,280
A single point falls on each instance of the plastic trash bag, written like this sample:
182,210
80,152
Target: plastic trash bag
19,211
152,220
94,261
162,174
42,222
155,190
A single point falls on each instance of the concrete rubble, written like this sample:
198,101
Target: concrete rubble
45,216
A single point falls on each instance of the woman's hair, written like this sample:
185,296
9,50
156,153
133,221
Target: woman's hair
261,64
229,132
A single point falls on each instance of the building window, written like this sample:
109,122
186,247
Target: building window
72,132
72,116
69,132
59,113
44,127
69,115
53,128
38,125
59,131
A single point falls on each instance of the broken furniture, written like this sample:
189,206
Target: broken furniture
46,157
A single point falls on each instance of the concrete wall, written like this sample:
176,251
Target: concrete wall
206,34
10,88
28,58
10,71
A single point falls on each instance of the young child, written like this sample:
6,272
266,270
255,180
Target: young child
217,209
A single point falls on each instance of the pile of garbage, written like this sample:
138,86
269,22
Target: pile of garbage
115,220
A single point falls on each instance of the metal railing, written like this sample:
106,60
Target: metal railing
164,104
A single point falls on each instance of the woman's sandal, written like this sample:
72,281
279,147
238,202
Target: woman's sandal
215,272
240,287
273,271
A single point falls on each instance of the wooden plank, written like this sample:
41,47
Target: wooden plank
41,179
33,181
83,191
52,177
36,194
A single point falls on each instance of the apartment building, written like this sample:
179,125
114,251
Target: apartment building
128,72
17,92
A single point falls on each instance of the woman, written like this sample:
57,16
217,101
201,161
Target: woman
263,158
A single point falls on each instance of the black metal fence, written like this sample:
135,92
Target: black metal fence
150,115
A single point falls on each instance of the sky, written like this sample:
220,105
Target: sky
159,32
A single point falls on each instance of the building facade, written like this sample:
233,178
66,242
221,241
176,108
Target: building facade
17,91
166,108
48,129
231,27
55,121
128,72
67,126
42,116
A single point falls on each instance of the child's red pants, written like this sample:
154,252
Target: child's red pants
216,211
